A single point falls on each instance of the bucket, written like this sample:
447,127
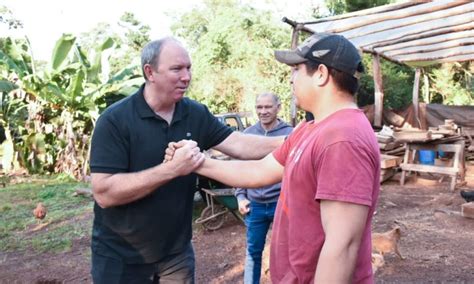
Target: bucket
427,157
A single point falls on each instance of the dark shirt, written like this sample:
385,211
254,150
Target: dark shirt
130,137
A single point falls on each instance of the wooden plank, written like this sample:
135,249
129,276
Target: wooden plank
388,161
384,138
429,169
412,135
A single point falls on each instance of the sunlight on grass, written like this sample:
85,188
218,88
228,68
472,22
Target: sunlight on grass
68,218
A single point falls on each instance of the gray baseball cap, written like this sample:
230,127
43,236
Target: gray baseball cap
329,49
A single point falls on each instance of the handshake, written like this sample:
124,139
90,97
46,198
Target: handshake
185,156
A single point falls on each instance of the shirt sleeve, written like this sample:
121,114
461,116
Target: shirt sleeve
345,173
109,148
216,132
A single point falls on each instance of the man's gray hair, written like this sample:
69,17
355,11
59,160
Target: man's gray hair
151,53
275,98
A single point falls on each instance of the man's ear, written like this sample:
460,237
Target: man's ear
148,69
321,76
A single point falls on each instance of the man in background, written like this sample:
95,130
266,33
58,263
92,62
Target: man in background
258,205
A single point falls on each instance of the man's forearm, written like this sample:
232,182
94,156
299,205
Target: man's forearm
249,146
122,188
244,174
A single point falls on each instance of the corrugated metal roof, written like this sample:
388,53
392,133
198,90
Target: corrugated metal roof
416,33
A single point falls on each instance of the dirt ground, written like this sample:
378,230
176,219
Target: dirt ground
437,243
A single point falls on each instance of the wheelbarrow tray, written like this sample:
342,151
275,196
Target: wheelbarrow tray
225,196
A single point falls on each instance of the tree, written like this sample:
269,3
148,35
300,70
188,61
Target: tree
50,113
337,7
232,49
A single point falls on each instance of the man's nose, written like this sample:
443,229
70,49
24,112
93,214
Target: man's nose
186,75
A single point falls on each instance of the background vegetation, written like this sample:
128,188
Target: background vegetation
48,109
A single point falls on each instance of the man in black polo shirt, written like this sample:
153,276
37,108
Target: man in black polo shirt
143,212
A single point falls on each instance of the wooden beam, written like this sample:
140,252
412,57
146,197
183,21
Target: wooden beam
371,11
367,37
384,19
429,18
427,41
416,87
378,88
425,48
418,34
439,54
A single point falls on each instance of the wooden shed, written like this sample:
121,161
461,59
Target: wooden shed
414,33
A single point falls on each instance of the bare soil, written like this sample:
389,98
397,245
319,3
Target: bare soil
437,243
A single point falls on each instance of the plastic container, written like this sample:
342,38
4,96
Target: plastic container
427,157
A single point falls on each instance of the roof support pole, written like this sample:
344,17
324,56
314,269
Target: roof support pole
416,88
294,44
378,96
426,85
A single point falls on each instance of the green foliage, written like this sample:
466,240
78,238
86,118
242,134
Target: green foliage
452,84
232,49
50,113
337,7
397,84
67,216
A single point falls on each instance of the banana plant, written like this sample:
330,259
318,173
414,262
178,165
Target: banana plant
62,102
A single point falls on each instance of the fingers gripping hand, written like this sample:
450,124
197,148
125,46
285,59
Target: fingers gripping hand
187,158
172,146
244,206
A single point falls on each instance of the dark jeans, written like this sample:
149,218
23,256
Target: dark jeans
258,221
173,269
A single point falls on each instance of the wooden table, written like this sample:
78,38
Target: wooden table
457,170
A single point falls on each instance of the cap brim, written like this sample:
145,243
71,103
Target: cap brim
289,57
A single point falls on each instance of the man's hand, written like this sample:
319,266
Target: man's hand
244,206
185,156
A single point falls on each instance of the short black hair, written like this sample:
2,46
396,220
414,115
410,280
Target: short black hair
343,81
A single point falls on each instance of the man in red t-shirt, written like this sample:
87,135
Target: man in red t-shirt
329,168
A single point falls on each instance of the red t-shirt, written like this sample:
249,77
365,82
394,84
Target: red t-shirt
335,159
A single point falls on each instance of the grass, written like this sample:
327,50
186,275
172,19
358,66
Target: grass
68,218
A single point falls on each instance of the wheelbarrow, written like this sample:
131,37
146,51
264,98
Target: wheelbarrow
219,202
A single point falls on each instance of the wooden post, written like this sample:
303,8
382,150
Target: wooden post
378,86
294,44
416,87
426,85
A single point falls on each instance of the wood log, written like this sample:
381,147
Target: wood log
426,41
416,36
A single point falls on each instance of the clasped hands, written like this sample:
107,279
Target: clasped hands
184,155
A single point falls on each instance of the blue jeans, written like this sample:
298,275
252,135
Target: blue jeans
258,221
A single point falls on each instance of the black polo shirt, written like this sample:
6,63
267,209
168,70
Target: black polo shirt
130,137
